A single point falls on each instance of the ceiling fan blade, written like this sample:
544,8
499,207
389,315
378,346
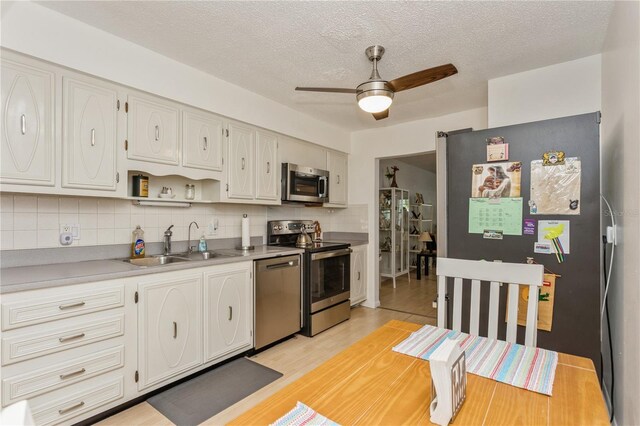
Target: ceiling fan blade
422,77
326,89
381,115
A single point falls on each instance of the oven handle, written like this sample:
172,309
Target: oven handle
328,254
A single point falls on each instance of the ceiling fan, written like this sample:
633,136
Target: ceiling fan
375,95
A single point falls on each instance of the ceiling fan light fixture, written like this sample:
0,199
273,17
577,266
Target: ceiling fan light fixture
374,96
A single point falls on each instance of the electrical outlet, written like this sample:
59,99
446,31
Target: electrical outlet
212,227
73,229
65,229
612,235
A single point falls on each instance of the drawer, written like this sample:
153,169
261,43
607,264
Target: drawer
79,402
53,377
26,346
34,310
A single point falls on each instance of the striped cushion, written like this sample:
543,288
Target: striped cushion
517,365
303,415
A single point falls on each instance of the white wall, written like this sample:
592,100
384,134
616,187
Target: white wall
559,90
352,219
35,30
620,182
368,146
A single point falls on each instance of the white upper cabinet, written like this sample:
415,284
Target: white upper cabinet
27,124
267,168
89,134
337,166
153,130
241,167
202,140
302,153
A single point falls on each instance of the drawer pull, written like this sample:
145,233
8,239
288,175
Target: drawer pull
93,137
71,305
23,124
73,407
230,313
206,144
157,133
67,338
73,373
175,330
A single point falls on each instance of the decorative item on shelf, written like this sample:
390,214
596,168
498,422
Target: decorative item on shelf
425,237
393,183
414,230
386,244
419,199
140,186
166,192
189,191
415,215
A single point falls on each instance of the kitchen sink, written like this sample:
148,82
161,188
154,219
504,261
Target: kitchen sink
157,260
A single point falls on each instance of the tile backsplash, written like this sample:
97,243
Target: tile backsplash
33,221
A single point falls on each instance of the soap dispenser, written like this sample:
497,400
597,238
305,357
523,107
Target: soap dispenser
202,247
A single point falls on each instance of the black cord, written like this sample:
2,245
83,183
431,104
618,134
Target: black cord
606,306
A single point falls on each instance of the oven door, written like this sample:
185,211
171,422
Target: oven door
330,273
304,184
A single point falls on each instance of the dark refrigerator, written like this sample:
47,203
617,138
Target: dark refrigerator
576,315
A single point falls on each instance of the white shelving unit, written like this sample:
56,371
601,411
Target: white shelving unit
394,233
424,222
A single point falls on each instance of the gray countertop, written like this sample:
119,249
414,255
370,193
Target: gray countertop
59,274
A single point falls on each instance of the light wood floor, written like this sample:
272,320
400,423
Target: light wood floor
293,358
413,297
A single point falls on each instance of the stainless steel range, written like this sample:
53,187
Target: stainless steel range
326,272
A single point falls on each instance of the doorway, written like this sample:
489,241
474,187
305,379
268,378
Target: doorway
407,226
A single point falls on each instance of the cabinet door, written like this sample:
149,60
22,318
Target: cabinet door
201,140
152,130
358,275
89,135
337,165
241,161
228,312
27,153
169,327
267,182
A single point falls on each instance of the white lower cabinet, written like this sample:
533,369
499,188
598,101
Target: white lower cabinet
228,310
358,274
76,351
169,326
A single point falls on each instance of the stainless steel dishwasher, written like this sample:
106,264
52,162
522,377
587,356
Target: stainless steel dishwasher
278,294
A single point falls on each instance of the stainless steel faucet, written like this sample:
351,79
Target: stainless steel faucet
167,240
190,249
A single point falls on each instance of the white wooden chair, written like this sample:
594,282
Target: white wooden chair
492,273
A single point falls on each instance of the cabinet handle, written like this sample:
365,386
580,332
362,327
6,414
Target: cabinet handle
268,167
93,137
242,163
73,373
358,275
71,305
205,144
230,313
175,330
23,124
73,407
338,180
157,132
67,338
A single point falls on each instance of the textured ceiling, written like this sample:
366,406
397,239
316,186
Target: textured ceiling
270,47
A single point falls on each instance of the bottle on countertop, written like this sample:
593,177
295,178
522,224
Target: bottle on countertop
202,247
137,243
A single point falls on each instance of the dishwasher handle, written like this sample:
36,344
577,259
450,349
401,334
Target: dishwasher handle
278,263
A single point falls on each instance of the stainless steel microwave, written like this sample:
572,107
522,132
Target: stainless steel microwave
304,184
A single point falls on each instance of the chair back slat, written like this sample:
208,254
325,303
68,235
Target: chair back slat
494,304
494,273
474,317
442,303
512,313
520,273
457,304
531,335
